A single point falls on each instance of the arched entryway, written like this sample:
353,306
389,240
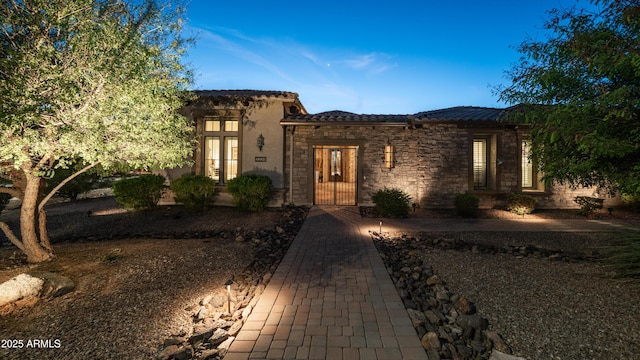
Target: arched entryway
335,175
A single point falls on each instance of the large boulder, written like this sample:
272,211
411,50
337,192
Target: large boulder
36,284
20,287
54,284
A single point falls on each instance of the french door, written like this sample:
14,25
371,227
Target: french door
335,175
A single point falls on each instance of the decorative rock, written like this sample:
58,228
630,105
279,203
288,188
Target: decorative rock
433,317
184,353
219,336
464,306
203,312
168,352
209,354
417,317
224,347
200,336
235,328
430,341
206,300
54,284
497,341
247,311
20,287
172,341
472,322
434,279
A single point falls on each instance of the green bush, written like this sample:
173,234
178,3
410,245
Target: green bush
250,191
391,203
139,192
631,200
466,205
588,204
196,192
4,200
521,204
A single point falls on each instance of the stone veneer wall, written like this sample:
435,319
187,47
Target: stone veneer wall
432,163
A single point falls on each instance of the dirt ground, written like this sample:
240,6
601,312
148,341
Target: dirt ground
138,276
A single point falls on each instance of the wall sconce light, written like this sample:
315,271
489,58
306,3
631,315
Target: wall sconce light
260,142
389,156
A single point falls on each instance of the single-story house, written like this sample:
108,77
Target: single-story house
341,158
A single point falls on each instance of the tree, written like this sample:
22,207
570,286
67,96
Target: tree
580,95
91,81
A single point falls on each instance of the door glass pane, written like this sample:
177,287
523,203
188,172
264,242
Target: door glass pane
527,166
336,162
231,157
212,157
480,163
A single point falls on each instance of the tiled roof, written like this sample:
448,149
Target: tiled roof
461,113
337,116
246,93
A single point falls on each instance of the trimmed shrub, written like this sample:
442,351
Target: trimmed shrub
196,192
466,205
250,191
521,204
140,192
588,204
392,203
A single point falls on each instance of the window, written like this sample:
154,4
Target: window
480,165
531,179
483,160
221,152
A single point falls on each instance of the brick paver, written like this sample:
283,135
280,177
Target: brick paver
330,298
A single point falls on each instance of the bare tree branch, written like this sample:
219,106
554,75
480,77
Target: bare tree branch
12,237
62,183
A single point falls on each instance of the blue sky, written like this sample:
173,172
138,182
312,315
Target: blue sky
366,57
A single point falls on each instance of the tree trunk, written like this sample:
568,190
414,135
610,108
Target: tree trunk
30,226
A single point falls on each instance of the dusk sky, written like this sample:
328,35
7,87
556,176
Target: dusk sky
367,57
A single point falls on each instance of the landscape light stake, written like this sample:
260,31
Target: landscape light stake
228,284
380,227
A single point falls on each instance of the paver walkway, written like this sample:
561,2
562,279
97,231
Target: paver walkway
330,298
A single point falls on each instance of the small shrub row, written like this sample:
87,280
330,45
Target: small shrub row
195,192
141,192
521,204
391,203
466,205
588,204
250,192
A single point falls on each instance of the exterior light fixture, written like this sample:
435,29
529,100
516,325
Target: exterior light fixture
389,155
260,142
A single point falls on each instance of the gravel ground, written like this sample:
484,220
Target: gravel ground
138,278
164,262
546,309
